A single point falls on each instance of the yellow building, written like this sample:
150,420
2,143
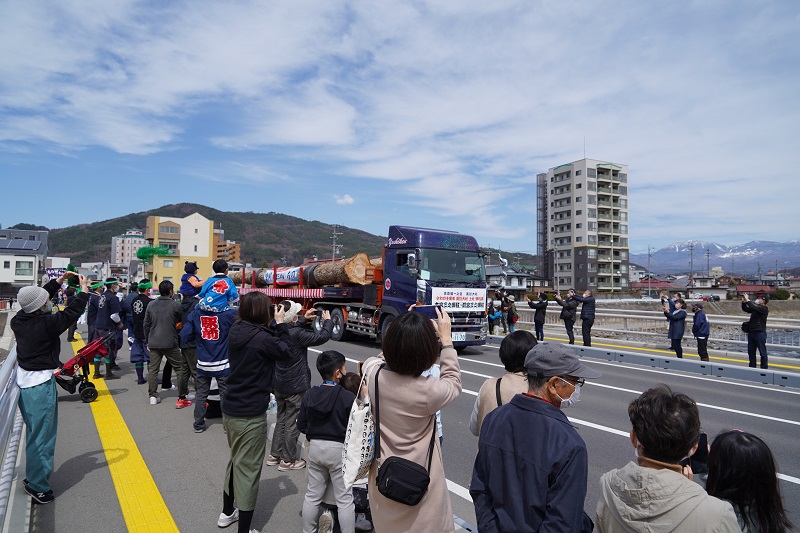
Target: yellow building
230,251
188,239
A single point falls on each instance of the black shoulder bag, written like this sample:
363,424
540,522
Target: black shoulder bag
399,479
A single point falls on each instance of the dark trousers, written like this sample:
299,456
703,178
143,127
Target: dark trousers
201,397
568,324
491,327
503,320
757,339
586,330
675,344
702,349
284,438
71,332
539,327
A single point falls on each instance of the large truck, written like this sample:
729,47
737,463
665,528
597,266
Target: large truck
418,266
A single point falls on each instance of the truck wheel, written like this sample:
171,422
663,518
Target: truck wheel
339,327
385,326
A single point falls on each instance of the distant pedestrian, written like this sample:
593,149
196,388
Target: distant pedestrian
513,315
37,331
756,328
568,313
539,315
587,314
133,292
502,303
677,325
492,317
91,309
532,465
701,330
108,322
189,343
190,281
71,295
253,349
161,330
140,355
499,391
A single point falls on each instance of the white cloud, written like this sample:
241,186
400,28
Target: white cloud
457,106
344,200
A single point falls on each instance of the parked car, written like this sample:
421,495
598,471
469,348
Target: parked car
711,298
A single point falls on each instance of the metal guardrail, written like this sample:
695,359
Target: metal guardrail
782,333
10,428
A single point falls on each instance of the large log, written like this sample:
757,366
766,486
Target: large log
355,270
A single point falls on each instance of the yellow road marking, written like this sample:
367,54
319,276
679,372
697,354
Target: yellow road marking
668,352
142,506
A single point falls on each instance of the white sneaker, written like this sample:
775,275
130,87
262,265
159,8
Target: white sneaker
174,387
225,520
325,522
154,400
190,396
362,524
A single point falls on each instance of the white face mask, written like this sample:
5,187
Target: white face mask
572,400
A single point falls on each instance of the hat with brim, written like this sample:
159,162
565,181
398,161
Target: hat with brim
32,298
548,359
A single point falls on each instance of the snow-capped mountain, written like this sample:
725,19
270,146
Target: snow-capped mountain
739,258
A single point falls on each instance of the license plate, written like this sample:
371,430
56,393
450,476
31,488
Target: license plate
459,336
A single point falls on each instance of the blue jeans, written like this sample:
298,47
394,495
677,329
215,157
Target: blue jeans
39,408
757,339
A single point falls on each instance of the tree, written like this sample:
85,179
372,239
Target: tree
781,294
146,253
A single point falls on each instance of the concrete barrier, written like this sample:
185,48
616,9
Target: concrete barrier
639,359
786,379
743,373
687,365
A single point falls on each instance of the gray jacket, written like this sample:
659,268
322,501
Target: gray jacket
638,499
160,323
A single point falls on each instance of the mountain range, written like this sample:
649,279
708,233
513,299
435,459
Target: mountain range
744,259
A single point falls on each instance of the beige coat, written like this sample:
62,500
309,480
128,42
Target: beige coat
511,384
408,406
651,497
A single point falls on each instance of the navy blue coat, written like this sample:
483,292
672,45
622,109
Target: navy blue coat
677,323
587,309
700,326
531,470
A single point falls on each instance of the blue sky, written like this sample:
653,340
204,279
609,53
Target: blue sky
438,114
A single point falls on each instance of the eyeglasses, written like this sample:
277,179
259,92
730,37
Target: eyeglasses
578,381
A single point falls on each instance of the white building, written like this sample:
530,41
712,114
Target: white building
582,225
124,247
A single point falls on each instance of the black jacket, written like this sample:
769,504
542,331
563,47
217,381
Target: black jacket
569,306
252,352
324,412
138,309
541,310
37,333
758,316
587,309
187,306
294,376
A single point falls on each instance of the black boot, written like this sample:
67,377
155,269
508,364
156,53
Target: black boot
97,374
109,374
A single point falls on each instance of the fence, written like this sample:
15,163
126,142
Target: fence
10,429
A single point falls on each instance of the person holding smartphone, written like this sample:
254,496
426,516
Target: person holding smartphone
756,328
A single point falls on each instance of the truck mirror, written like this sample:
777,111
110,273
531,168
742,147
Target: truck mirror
412,262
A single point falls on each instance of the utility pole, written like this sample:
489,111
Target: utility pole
649,276
708,261
335,247
691,265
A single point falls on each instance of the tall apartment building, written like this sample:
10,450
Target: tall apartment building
230,251
188,239
124,247
582,225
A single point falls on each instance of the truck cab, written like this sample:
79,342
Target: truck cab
436,267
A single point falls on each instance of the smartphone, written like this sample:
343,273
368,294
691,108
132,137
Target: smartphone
699,461
428,310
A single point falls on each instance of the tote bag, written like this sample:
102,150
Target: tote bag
359,439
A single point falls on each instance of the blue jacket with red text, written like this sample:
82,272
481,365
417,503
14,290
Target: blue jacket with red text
210,331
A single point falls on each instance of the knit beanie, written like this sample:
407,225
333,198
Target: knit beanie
294,308
32,298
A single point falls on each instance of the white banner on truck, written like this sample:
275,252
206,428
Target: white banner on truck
459,299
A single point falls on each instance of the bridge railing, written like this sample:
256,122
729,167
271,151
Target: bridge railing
10,429
782,334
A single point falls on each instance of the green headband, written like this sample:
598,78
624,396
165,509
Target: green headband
147,285
113,281
96,285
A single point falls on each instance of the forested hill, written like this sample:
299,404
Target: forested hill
266,238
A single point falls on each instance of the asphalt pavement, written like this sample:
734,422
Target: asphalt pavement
187,468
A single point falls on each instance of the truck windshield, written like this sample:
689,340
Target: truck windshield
451,266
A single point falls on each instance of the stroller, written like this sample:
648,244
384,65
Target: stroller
74,374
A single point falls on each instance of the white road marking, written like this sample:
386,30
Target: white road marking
458,490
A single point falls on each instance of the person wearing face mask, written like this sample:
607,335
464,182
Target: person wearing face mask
549,493
37,331
108,319
756,328
654,493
